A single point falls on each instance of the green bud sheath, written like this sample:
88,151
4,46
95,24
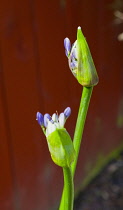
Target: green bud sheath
61,147
86,72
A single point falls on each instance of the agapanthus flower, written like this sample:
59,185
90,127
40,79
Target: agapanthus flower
59,141
51,123
80,60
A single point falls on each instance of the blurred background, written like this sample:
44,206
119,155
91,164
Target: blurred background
34,76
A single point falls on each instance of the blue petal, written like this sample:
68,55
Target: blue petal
46,118
67,112
67,46
73,64
40,118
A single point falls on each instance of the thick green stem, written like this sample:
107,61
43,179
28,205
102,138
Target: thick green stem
84,103
67,202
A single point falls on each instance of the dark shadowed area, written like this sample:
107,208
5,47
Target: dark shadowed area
105,192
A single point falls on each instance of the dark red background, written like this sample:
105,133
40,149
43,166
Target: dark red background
34,76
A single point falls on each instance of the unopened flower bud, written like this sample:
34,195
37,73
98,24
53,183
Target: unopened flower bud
59,141
61,147
81,62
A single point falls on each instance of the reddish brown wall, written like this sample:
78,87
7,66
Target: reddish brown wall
34,76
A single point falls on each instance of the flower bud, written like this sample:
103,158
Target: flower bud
61,147
59,141
81,62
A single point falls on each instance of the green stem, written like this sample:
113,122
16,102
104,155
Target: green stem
67,202
84,103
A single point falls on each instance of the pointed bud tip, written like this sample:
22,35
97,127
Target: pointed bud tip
66,39
79,27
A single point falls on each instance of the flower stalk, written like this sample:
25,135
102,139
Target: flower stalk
68,189
84,104
63,151
82,67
